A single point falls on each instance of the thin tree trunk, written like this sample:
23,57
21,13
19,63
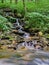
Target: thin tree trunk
16,1
24,6
2,1
10,1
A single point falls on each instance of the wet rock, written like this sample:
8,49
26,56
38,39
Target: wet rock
23,48
21,33
33,34
5,38
10,14
47,39
40,34
28,39
18,32
0,46
22,22
10,17
48,44
14,42
46,48
33,31
15,31
17,27
19,39
34,38
11,47
14,48
37,46
4,47
27,57
7,10
44,41
19,15
47,31
5,42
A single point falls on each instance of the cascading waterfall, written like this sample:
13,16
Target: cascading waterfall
17,22
26,35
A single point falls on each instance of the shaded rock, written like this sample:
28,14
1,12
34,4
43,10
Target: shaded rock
10,17
18,32
38,46
4,47
48,44
46,48
23,48
5,42
10,14
31,38
5,38
11,47
17,27
15,31
19,39
33,30
7,10
28,39
33,34
40,34
44,41
19,15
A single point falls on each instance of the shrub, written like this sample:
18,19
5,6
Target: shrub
4,24
37,20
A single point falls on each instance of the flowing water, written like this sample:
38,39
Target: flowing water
26,35
33,57
41,58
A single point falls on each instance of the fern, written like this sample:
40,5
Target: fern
37,20
4,24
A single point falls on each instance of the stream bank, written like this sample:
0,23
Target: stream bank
22,46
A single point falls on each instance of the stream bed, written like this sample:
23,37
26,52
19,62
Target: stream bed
37,58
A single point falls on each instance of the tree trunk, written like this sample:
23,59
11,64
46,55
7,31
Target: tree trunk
10,1
16,1
2,1
24,6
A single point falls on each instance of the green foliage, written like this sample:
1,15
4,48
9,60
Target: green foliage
40,6
11,19
4,24
37,20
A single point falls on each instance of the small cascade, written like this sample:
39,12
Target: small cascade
29,44
17,22
26,35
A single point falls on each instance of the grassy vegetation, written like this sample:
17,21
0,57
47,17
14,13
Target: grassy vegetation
40,7
37,20
4,24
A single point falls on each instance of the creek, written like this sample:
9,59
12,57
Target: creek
33,56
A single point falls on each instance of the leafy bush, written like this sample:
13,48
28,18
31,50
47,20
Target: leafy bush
4,24
37,20
40,6
11,19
